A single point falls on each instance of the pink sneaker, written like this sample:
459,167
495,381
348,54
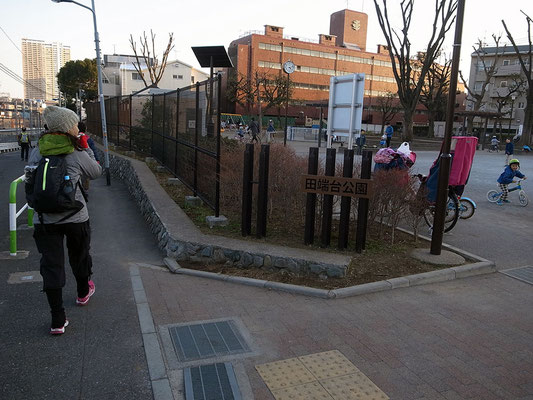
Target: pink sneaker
81,301
59,331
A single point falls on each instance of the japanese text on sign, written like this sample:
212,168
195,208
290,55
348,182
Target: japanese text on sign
336,186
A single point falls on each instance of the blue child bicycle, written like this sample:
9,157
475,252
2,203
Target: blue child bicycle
494,195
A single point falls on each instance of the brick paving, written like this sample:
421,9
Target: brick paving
463,339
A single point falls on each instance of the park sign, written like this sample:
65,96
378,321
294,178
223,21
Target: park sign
336,186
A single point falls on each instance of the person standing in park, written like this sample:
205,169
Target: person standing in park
389,130
69,158
271,131
509,150
254,129
24,143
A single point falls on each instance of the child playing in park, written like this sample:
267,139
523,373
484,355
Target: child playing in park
383,140
507,177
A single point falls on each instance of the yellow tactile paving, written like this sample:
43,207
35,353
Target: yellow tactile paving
284,373
307,391
353,387
328,364
321,376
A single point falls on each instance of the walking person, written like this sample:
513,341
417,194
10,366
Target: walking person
389,130
24,143
509,150
254,130
69,159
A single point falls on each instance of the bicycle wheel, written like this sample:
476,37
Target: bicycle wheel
450,217
522,198
466,209
493,196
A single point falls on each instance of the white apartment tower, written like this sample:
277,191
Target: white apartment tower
40,63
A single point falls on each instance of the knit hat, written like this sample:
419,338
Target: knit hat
59,119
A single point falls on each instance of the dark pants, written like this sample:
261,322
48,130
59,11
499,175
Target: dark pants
49,240
24,151
388,141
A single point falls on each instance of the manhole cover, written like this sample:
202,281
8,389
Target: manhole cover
206,340
524,274
213,381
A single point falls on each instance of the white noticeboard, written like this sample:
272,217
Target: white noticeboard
345,112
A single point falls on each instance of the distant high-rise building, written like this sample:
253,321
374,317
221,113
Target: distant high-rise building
40,63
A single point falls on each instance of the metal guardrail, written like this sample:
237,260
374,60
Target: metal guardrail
13,214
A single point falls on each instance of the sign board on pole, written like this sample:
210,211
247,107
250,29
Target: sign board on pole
346,95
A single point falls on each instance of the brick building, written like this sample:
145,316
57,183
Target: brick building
342,51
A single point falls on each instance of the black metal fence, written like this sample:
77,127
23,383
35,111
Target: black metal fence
181,129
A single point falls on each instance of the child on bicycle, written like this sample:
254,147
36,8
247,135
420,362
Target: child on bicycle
507,177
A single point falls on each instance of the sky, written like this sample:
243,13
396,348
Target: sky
210,22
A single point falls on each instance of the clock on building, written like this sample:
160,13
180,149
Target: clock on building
356,24
289,67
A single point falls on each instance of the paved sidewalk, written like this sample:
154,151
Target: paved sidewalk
101,355
464,339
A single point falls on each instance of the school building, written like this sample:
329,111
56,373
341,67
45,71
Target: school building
342,51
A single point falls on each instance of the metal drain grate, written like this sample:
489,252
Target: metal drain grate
524,274
206,340
211,382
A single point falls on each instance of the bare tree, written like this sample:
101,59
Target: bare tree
434,94
388,108
409,78
477,95
151,62
263,90
526,65
504,96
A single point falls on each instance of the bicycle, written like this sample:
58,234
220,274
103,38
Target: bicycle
493,195
452,213
467,207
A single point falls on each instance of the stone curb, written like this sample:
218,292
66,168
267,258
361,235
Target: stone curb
424,278
180,239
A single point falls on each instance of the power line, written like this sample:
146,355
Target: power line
19,79
38,68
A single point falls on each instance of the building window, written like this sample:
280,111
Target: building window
521,105
192,79
478,86
481,67
506,62
105,80
136,76
177,76
503,84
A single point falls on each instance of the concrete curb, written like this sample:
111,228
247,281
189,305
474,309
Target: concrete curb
424,278
166,229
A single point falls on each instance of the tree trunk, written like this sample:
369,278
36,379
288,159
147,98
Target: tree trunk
431,124
528,122
470,125
407,134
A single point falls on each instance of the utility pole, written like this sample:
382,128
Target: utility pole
446,157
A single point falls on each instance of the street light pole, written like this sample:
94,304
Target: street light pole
100,86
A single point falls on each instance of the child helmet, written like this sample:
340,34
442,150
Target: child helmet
514,161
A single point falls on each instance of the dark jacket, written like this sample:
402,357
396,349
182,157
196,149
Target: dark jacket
508,174
79,163
509,148
254,127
